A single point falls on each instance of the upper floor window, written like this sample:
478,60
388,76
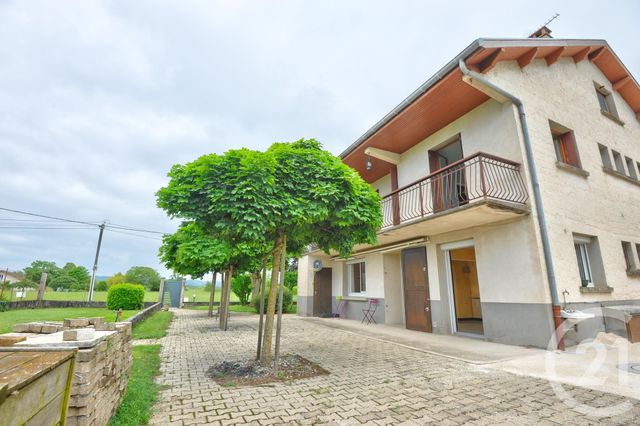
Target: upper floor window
564,143
605,99
604,154
356,277
617,161
631,167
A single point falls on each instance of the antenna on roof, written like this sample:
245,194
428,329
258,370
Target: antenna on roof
544,31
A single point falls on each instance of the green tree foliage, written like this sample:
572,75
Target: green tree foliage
33,272
117,278
101,286
241,287
293,194
290,279
80,275
125,296
191,251
145,276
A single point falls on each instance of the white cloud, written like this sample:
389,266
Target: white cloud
99,98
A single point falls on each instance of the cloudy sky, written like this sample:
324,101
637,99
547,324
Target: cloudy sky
99,98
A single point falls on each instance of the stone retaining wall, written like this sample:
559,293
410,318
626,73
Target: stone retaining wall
100,379
146,312
102,365
39,304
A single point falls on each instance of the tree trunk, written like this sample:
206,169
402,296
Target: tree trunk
212,296
255,286
271,305
223,292
283,260
260,302
227,296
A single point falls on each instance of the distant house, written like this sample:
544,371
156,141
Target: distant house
473,240
10,277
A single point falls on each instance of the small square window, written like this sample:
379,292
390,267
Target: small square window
617,161
605,99
564,143
357,277
604,154
631,168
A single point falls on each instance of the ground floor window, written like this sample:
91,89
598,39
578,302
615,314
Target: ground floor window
356,277
584,267
590,265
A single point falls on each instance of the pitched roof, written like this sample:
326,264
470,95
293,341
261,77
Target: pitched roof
444,97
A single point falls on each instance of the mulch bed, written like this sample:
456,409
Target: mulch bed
251,373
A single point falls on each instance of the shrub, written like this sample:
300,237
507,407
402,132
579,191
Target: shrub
286,301
101,286
4,305
125,296
241,287
290,279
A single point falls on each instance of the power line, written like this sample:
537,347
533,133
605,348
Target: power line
49,217
135,235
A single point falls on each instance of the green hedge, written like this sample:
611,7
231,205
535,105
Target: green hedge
125,296
287,300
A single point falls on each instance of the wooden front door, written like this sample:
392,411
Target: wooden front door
417,304
322,293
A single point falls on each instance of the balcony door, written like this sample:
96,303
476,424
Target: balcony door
449,188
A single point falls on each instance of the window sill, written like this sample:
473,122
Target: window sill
572,169
635,273
616,173
612,117
597,290
354,298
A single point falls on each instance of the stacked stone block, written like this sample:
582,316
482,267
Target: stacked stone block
101,372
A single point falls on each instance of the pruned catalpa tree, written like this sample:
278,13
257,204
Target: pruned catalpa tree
295,192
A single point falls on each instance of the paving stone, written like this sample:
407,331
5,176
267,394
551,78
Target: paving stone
370,383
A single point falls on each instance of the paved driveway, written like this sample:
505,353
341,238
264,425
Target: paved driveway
371,382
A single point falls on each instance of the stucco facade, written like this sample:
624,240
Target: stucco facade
512,302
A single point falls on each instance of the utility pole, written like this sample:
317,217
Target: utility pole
95,263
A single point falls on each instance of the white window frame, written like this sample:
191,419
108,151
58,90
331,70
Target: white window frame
363,279
581,246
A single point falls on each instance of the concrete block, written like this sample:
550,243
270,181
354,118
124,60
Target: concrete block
76,322
95,321
106,326
21,328
50,328
78,334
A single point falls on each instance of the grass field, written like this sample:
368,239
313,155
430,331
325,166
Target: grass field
154,327
9,318
142,390
101,296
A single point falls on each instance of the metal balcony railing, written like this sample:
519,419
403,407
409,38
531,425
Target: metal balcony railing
475,178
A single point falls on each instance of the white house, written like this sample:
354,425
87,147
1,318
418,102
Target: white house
510,183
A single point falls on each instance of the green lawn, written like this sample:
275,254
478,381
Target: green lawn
101,296
154,327
142,390
9,318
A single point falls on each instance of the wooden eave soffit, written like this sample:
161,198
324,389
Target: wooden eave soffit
381,154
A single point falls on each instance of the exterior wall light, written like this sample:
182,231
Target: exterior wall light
369,164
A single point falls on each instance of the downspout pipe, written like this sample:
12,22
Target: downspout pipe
537,196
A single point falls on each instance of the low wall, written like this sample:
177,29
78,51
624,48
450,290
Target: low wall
102,365
44,304
145,313
191,304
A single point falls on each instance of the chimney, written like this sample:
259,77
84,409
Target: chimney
542,32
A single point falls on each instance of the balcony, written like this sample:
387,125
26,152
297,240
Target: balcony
480,189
